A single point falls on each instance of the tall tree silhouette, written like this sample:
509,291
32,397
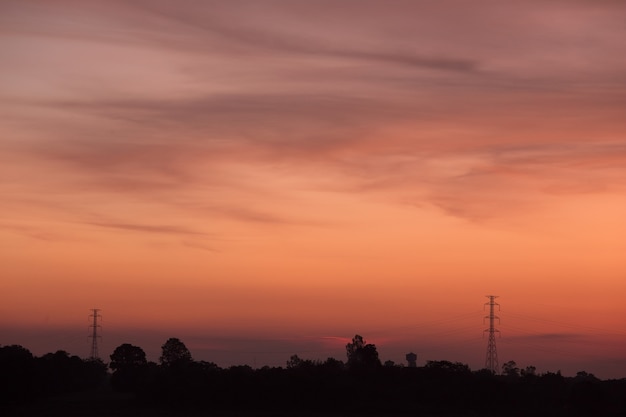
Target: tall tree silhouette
16,372
130,366
127,356
362,355
174,352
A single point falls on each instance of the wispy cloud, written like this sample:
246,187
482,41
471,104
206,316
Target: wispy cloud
161,229
393,101
248,215
39,233
550,337
198,245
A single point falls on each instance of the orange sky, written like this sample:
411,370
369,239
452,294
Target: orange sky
268,179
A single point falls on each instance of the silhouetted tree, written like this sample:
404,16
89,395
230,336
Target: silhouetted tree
362,355
56,372
94,371
130,366
357,343
174,352
294,362
582,376
588,395
332,364
447,366
127,356
180,381
61,372
529,372
510,369
551,389
16,374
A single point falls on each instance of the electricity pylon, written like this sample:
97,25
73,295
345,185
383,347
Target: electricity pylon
94,333
491,361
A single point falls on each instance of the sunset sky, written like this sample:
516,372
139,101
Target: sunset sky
268,178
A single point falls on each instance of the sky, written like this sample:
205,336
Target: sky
269,178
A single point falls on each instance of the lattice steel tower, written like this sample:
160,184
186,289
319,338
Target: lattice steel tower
94,333
491,362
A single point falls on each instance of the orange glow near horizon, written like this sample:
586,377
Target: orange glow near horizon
238,178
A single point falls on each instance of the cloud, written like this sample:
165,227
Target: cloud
161,229
39,233
248,215
198,245
463,108
550,337
281,38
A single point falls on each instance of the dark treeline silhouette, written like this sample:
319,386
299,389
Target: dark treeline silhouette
24,377
360,385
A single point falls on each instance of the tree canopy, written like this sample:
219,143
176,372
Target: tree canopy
174,352
362,355
127,356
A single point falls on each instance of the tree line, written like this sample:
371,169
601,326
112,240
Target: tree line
360,384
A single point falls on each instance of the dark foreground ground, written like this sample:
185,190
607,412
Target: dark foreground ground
104,402
128,408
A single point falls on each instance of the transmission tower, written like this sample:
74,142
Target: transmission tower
94,333
491,362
